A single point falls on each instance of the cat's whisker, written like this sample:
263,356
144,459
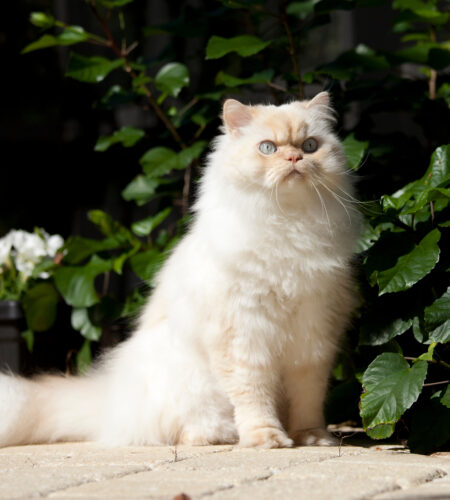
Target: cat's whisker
324,208
338,199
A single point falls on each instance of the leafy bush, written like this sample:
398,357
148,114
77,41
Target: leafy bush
404,315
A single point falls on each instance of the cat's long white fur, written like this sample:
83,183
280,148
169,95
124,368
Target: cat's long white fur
239,337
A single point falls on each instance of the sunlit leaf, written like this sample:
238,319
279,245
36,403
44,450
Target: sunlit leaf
127,136
391,386
91,69
411,267
80,321
171,78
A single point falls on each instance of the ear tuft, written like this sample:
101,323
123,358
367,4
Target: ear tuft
321,99
236,115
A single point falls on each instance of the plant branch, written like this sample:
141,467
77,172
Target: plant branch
433,72
122,54
437,383
294,54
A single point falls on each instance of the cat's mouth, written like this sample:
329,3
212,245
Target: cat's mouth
294,174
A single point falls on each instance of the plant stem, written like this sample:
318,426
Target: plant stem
122,54
433,72
437,383
294,54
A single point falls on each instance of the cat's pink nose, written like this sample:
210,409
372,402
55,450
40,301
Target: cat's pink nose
294,157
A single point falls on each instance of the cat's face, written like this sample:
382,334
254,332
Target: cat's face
289,147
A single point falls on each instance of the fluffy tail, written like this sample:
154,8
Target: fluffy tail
49,408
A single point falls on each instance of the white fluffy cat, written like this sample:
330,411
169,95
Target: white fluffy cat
237,341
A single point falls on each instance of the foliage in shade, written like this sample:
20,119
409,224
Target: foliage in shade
91,69
245,45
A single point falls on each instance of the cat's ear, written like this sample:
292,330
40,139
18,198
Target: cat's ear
235,115
321,99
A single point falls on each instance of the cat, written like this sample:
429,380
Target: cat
237,342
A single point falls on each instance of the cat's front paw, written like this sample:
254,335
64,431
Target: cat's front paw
265,437
313,437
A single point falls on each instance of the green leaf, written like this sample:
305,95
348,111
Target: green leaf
171,78
381,431
42,20
391,386
445,398
440,334
244,45
140,189
28,336
70,36
159,161
412,267
231,81
127,136
145,226
91,69
111,228
40,305
112,4
84,358
367,237
146,264
79,248
429,427
439,311
354,151
301,10
378,330
80,321
76,284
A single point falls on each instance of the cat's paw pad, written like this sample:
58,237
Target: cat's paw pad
313,437
265,437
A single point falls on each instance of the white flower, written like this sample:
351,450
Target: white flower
5,248
54,243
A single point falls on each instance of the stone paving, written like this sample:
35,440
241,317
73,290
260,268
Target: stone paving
363,470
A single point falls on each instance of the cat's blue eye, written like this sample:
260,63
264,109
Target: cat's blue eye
310,145
267,147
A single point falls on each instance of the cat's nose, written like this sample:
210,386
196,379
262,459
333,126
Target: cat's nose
294,157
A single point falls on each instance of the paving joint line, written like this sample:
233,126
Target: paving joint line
428,478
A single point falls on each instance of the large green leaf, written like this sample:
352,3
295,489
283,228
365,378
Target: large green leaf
412,267
91,69
244,45
354,151
171,78
145,226
79,248
70,36
76,284
80,321
127,136
391,386
140,189
40,305
232,81
159,161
